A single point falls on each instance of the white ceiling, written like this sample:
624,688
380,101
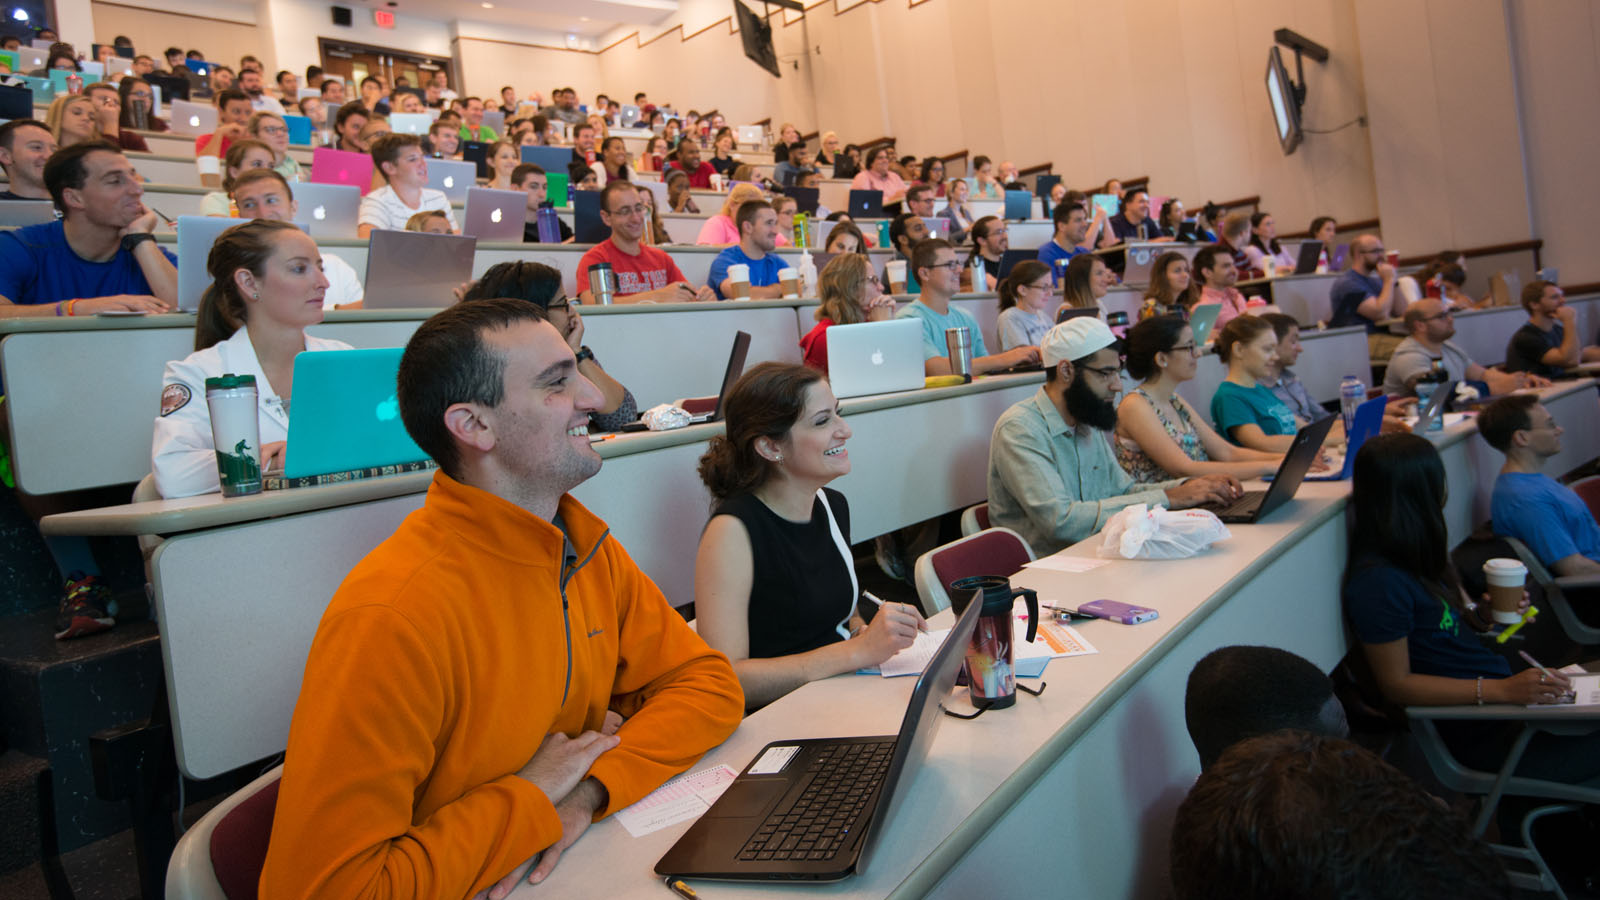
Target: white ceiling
584,18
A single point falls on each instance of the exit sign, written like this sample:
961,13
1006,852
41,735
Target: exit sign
383,18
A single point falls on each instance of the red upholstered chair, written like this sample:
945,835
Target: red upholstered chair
993,551
974,519
220,857
1588,490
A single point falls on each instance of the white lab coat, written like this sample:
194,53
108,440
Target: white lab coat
183,457
344,286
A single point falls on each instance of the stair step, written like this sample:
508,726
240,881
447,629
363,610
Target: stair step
19,809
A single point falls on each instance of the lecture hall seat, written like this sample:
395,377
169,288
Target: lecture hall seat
993,551
220,857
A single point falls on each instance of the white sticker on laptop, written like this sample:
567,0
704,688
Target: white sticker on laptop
773,761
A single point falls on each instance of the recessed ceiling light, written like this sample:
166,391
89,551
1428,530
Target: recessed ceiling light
488,6
583,18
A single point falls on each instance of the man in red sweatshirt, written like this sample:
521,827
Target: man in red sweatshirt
498,673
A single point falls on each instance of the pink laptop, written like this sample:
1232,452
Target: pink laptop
330,166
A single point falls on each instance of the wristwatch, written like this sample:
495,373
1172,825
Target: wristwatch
585,353
132,241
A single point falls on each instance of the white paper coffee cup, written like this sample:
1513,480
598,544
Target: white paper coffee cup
739,275
789,279
1507,579
896,270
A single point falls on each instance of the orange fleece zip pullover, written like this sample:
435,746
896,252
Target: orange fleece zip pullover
441,664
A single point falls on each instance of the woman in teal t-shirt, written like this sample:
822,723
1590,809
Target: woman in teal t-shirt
1245,410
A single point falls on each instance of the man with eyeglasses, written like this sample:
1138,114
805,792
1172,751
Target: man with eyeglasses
1432,326
1529,505
1365,295
937,267
1053,477
643,273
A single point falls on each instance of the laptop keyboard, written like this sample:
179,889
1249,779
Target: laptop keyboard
1240,507
816,826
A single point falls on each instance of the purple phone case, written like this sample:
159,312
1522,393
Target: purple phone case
1113,611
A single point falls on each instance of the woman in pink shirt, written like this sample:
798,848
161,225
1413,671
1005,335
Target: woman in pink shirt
720,230
877,177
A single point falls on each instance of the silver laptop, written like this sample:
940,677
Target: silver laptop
327,210
416,270
21,213
875,357
630,115
453,178
494,215
196,235
31,58
410,123
495,119
193,118
751,134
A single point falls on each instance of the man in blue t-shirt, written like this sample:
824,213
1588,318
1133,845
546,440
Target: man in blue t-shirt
1366,295
1072,228
758,239
937,267
1528,504
100,256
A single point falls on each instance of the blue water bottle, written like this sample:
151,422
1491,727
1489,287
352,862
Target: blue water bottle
549,224
1351,393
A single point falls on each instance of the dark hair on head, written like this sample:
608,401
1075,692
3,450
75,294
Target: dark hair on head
1318,222
1161,290
230,95
328,83
611,190
897,229
1206,259
280,76
1130,193
235,158
1239,330
124,91
915,192
926,253
1272,248
747,214
979,162
980,233
223,309
1453,274
387,149
66,168
846,228
1501,420
766,401
1064,211
1168,206
1397,495
348,111
875,152
1025,272
534,282
926,174
1281,324
8,131
1291,814
251,176
1533,292
524,170
447,362
1076,287
1157,334
1236,693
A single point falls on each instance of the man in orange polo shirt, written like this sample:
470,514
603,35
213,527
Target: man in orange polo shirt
498,673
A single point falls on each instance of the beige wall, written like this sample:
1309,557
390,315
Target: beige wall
488,65
1559,85
153,31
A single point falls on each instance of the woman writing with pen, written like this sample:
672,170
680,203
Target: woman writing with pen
775,586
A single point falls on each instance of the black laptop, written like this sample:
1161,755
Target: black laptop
773,823
1310,252
1255,505
741,349
477,152
1010,258
866,204
805,199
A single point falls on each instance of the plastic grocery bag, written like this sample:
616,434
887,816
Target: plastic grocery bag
1140,532
664,417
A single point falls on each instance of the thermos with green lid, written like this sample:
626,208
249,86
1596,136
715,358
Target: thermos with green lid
235,433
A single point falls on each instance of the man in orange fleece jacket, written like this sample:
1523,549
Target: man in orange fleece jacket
459,713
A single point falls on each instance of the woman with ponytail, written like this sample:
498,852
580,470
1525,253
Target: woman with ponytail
775,586
267,287
1024,294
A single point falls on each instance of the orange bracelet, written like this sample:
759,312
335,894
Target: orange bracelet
70,305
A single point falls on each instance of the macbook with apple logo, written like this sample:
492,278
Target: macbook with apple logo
347,415
452,178
416,270
196,235
327,210
193,118
494,215
875,357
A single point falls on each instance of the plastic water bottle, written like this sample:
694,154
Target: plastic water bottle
808,274
549,230
1351,392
